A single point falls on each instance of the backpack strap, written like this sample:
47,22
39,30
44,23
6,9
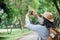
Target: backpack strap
54,31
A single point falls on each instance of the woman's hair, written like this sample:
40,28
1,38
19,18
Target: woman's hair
48,24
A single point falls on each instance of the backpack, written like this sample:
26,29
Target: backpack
56,33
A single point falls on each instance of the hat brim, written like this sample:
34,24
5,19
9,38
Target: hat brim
51,20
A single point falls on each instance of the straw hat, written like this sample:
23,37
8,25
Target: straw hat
48,16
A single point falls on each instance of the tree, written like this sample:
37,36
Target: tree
56,5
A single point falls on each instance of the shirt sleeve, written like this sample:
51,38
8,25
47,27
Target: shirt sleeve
30,26
39,20
27,20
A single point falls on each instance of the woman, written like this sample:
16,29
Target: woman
46,22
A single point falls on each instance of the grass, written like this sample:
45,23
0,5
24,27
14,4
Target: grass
14,35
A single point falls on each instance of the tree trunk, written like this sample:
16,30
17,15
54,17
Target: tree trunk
21,23
55,3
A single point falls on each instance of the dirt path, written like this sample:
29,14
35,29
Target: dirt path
31,36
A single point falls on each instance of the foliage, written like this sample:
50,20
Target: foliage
19,8
9,15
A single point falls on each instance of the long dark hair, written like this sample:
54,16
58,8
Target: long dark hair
48,24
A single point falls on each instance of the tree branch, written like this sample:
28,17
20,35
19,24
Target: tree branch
55,3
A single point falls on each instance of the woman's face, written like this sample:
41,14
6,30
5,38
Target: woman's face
42,20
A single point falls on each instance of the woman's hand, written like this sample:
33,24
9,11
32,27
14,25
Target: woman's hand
35,14
27,15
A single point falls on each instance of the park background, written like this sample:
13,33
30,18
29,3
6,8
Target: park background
12,20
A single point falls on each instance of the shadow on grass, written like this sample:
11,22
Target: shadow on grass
3,38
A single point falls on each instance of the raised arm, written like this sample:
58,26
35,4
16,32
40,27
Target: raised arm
27,18
29,25
37,16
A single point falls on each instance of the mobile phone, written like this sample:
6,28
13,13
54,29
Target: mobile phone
31,12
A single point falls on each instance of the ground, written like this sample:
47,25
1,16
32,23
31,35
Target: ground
31,36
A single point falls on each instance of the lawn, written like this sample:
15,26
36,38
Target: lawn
15,34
